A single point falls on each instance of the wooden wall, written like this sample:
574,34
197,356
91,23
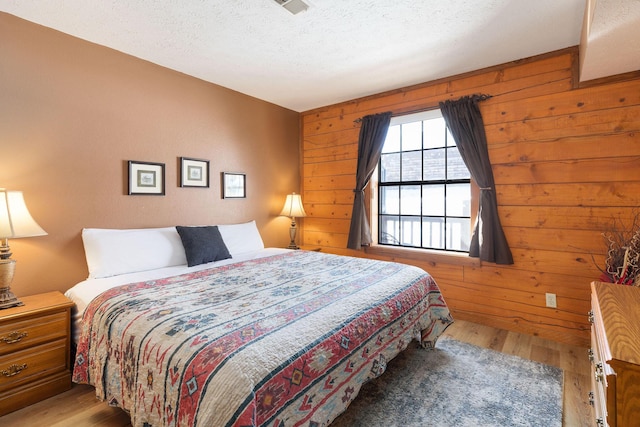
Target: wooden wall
566,163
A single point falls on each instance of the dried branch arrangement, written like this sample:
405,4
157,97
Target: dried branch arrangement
622,263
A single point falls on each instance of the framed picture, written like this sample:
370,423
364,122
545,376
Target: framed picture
234,185
194,172
146,178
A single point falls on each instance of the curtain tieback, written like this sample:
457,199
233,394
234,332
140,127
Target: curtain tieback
486,188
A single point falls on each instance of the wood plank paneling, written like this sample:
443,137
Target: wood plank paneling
343,197
337,167
328,211
330,182
568,148
605,122
326,225
568,171
606,194
565,217
527,304
550,239
566,102
565,164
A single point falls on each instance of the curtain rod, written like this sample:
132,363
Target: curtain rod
481,97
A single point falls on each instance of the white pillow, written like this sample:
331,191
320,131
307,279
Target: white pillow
241,238
111,252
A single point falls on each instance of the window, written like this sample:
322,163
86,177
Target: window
424,187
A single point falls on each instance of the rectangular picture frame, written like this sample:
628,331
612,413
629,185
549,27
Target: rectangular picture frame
194,172
146,178
234,185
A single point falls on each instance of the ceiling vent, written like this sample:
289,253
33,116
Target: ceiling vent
293,6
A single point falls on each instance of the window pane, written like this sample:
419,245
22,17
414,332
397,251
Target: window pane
392,143
433,200
434,167
390,200
456,169
410,231
412,136
433,233
424,189
410,200
389,230
434,133
390,167
458,234
450,141
412,166
458,200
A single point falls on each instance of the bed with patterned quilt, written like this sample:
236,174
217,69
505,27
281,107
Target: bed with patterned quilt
265,337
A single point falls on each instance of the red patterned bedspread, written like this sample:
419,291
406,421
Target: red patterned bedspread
278,341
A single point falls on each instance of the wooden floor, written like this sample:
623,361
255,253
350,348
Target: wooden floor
78,406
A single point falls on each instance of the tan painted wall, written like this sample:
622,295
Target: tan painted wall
72,113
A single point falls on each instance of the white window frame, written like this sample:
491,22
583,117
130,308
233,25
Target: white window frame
374,193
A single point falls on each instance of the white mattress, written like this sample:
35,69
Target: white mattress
82,293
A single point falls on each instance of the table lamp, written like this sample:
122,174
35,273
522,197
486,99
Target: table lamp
15,222
293,209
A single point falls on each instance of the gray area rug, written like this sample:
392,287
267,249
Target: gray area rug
458,384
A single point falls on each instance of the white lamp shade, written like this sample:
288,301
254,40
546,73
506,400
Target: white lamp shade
15,219
293,206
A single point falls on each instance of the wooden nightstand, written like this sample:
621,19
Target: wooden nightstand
35,361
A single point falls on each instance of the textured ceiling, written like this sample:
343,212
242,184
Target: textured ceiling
335,51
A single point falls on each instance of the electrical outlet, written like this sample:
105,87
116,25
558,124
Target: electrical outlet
551,300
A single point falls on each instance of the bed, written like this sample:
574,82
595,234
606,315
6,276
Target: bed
259,337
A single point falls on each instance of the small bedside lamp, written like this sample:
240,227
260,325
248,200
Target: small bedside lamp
15,222
293,209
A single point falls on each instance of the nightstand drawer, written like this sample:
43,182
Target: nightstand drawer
32,364
25,333
34,350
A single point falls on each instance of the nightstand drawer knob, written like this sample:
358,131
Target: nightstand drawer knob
13,370
13,337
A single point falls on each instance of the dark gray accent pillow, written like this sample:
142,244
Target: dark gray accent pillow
202,244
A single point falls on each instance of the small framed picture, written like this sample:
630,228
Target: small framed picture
194,172
234,185
146,178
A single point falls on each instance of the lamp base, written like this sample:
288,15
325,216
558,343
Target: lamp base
8,299
292,235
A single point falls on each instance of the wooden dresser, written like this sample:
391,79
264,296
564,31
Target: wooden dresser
615,354
34,350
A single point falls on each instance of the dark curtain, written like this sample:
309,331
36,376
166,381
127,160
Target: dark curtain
464,121
373,132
